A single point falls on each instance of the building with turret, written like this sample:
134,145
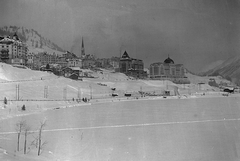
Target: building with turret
13,50
168,70
88,61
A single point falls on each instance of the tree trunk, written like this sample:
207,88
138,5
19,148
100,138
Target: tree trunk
39,142
18,142
25,143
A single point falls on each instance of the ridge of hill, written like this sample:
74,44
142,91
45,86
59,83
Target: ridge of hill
101,83
35,41
228,69
211,66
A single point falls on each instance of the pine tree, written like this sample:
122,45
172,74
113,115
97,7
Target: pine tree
23,108
47,66
5,100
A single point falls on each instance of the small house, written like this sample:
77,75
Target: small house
68,71
73,76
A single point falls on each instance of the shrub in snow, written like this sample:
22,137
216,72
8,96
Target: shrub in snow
23,108
47,66
5,100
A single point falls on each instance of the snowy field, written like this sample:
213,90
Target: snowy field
198,129
200,124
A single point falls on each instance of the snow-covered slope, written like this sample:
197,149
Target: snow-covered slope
32,38
229,69
108,124
10,73
212,66
101,84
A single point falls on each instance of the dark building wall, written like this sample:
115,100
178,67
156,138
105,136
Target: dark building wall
125,65
132,67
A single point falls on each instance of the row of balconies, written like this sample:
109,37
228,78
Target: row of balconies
168,74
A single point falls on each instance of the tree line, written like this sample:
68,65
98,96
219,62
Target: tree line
23,129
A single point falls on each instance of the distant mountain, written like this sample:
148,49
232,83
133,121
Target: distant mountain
212,66
32,38
229,69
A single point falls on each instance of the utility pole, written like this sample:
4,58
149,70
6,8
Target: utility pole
189,90
90,91
79,93
45,91
65,93
167,84
120,54
17,92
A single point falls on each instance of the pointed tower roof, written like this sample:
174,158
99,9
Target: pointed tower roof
15,36
125,55
82,43
82,48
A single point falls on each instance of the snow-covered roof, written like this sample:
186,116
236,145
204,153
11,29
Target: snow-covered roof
166,64
6,40
74,68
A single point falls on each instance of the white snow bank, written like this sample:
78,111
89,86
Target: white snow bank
10,73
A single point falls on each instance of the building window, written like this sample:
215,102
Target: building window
124,67
161,70
167,71
156,70
173,71
151,70
182,71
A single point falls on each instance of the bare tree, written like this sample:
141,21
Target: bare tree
40,143
35,142
26,132
19,128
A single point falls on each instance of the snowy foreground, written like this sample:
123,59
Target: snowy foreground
179,129
201,124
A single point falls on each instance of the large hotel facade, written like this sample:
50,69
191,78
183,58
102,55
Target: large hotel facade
13,50
167,70
132,67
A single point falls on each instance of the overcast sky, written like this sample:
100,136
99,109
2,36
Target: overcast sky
193,32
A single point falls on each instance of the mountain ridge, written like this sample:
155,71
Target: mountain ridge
212,66
228,69
31,37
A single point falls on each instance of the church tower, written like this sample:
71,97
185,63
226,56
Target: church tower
82,49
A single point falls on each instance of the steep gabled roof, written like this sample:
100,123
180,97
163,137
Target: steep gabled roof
125,55
15,36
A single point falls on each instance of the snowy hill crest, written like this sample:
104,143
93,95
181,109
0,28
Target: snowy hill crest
32,38
229,69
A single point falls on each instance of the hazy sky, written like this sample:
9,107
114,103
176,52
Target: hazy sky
192,32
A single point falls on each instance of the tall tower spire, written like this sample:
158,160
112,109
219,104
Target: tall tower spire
82,49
